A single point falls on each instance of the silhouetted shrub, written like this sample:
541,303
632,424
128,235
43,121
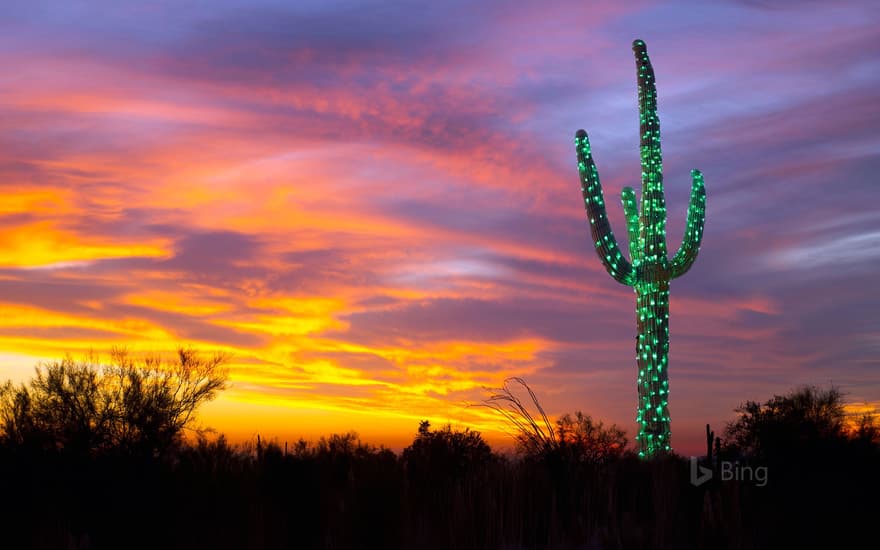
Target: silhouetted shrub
571,439
816,467
86,407
212,456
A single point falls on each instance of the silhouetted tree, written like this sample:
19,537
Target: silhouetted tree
445,452
86,407
582,439
866,430
803,421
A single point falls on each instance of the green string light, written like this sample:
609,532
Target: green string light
649,270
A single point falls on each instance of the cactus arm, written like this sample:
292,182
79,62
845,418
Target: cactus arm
693,234
600,228
653,220
631,211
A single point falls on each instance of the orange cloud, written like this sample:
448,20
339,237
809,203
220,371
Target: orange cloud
42,245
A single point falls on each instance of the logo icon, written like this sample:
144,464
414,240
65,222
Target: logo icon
699,474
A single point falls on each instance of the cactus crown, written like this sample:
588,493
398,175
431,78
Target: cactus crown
646,229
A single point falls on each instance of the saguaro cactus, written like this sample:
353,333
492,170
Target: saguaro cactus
649,270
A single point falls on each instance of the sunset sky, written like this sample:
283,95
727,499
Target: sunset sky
375,207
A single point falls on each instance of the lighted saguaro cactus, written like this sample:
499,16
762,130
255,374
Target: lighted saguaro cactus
649,271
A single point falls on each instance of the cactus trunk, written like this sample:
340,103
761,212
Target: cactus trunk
649,271
652,351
